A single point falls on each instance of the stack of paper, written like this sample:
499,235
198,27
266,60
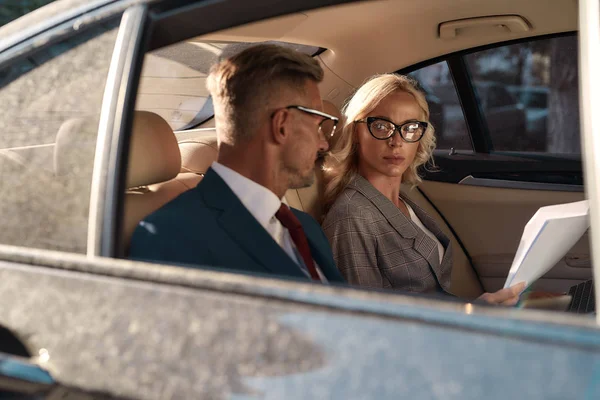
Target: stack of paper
547,237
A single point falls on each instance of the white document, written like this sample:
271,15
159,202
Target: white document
547,237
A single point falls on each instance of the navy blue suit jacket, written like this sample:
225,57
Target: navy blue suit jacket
209,226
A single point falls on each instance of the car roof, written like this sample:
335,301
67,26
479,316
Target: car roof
45,17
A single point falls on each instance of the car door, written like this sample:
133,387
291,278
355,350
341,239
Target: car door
495,165
80,324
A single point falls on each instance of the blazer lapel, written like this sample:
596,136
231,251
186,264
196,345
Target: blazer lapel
434,228
395,217
423,244
329,270
237,221
428,222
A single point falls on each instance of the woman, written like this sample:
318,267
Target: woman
379,237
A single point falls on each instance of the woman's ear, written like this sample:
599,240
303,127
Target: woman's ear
280,123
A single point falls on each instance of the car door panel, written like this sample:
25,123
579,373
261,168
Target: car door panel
113,328
465,282
490,221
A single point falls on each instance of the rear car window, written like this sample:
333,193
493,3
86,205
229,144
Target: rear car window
528,95
173,80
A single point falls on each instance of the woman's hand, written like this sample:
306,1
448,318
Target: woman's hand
505,297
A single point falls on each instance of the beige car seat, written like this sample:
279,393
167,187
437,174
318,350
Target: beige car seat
198,154
153,175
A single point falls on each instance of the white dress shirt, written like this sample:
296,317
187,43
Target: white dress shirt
262,204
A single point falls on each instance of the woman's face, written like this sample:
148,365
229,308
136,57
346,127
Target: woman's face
391,157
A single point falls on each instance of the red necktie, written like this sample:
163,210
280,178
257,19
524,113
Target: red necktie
289,220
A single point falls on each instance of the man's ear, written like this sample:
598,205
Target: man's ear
280,125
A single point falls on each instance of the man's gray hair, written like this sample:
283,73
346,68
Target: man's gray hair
243,85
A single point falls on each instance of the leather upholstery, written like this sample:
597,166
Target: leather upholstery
153,155
153,176
198,154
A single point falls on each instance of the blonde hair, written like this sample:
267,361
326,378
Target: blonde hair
243,85
341,165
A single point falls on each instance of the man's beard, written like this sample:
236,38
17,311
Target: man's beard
299,181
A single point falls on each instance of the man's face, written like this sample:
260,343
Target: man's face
306,142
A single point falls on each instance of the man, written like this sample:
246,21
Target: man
270,129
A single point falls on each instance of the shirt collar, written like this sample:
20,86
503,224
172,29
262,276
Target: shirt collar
260,201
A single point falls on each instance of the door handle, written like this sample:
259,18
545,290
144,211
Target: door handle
578,261
504,23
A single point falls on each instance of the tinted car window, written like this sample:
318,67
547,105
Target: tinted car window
532,95
446,112
51,103
497,96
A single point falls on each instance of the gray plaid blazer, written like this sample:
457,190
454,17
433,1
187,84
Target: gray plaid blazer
375,245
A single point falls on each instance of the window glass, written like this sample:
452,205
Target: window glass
528,95
51,103
173,82
445,109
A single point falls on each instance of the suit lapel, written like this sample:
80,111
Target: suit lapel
319,249
428,221
434,228
423,244
330,271
244,229
394,216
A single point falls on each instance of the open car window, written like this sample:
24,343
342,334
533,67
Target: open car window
173,80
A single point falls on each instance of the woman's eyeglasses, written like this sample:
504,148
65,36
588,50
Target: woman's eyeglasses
327,126
382,129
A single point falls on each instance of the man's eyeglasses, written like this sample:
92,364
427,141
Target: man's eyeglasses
382,129
327,126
